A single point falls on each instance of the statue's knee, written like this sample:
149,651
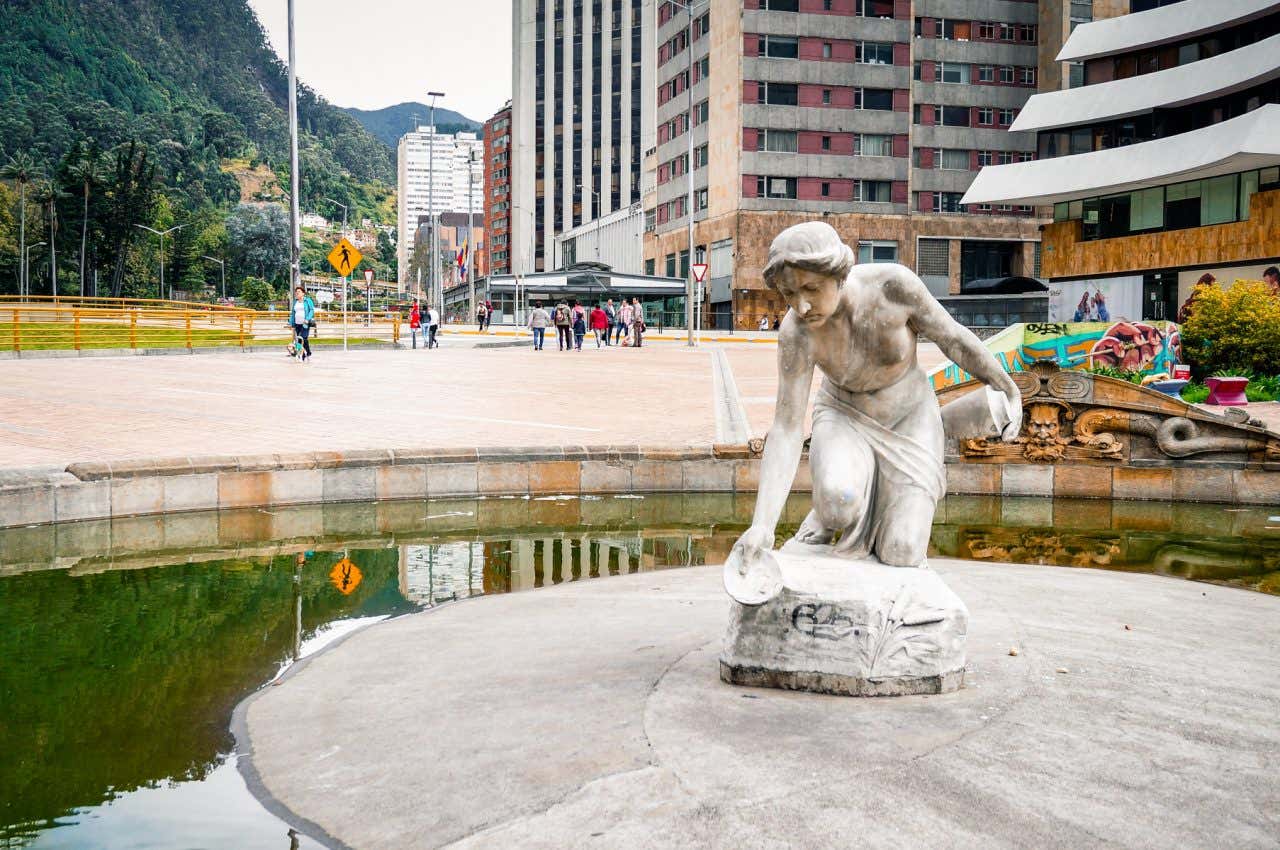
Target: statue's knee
838,506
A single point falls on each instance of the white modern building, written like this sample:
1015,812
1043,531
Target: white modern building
583,105
1164,166
615,239
446,167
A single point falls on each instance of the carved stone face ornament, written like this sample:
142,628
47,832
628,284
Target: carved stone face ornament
1044,441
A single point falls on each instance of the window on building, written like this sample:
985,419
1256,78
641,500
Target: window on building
986,116
987,30
870,144
826,97
826,143
877,252
1006,117
671,265
984,158
953,72
700,199
779,94
956,116
881,99
873,8
1027,33
776,187
1006,73
873,191
826,50
947,202
826,190
875,53
700,156
780,5
986,74
1075,75
933,257
779,46
954,160
1027,76
779,141
649,267
650,217
701,112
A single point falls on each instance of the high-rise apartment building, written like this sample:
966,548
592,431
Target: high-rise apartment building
582,100
872,114
439,166
1164,166
497,190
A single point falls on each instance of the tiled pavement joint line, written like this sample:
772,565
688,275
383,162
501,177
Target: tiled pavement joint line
732,425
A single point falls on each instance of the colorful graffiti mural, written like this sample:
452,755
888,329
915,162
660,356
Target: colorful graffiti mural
1147,347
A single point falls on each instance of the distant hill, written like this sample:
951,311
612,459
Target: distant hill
392,122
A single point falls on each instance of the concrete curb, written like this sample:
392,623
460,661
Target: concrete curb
109,489
58,353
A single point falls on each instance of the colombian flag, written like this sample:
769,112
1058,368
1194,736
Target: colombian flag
462,260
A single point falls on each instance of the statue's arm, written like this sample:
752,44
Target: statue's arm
786,438
931,319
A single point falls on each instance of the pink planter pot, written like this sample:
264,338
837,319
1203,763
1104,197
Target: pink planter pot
1226,391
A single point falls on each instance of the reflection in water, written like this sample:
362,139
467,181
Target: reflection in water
125,645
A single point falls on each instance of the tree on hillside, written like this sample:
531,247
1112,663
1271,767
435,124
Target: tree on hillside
23,169
88,172
258,240
130,199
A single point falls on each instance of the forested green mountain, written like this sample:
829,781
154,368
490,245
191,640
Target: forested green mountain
168,100
392,122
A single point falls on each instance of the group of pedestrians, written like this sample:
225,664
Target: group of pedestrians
621,325
484,315
430,327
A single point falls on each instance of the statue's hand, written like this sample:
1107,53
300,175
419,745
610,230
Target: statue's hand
1013,406
752,542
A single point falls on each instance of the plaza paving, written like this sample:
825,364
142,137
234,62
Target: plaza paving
61,410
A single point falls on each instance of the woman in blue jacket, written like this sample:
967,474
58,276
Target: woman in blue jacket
302,312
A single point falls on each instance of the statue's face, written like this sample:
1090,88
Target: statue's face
1043,426
813,296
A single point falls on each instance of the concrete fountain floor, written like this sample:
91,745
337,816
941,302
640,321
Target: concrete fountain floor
591,715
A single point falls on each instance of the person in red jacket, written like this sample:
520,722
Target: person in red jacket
600,324
415,324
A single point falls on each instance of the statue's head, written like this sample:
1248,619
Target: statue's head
807,266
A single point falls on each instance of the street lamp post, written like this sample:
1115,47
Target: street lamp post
26,260
471,239
688,282
162,234
295,231
222,268
433,273
344,277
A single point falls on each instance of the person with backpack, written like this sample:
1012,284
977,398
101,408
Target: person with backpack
637,322
579,325
600,324
538,321
415,323
563,318
611,314
482,313
433,327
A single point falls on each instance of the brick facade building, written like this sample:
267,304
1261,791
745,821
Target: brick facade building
497,191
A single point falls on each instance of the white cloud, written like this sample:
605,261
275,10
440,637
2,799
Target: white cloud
382,52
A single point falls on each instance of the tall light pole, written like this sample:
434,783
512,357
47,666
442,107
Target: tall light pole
162,234
471,237
433,247
688,129
295,232
26,260
597,212
222,267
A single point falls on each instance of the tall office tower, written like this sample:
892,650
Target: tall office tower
1163,168
437,166
497,190
581,116
874,115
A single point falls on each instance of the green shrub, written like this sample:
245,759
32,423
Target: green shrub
1195,393
256,293
1235,330
1112,372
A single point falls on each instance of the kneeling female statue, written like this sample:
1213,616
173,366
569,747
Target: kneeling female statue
876,452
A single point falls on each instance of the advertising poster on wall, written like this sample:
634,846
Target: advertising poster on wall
1096,299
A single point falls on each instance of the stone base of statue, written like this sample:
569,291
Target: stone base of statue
848,627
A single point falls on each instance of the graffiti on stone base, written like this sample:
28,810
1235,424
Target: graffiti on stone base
823,621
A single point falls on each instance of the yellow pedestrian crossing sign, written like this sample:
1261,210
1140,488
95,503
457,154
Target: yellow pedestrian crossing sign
345,257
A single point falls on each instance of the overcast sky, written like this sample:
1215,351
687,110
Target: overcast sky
376,53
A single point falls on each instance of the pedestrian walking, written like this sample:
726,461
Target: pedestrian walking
777,321
415,324
600,324
563,318
579,326
625,314
611,313
764,323
433,327
482,313
539,319
302,317
488,315
637,322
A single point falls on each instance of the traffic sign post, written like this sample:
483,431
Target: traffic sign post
699,275
344,258
368,298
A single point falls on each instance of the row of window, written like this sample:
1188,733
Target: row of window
860,8
674,209
1196,203
963,116
678,166
791,47
949,202
950,29
790,141
680,82
964,72
795,94
675,127
857,191
955,159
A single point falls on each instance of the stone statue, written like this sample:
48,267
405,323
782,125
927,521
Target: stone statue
876,458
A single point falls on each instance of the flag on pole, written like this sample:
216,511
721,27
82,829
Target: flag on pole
462,261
